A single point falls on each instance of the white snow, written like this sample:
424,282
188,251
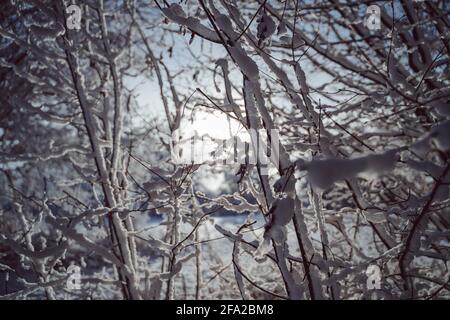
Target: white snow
245,63
266,27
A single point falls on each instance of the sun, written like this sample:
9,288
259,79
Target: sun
202,132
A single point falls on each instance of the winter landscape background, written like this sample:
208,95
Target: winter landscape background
96,96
